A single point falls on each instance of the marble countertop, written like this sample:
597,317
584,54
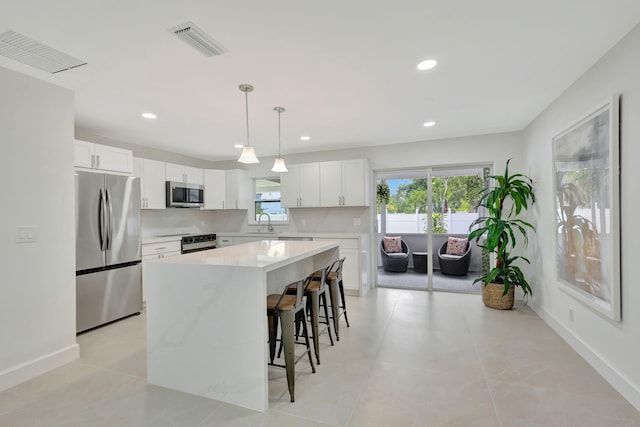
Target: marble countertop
177,237
269,254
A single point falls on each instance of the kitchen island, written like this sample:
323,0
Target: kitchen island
206,316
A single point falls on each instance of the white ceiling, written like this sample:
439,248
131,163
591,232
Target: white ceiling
345,70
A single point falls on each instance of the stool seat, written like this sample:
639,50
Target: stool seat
288,302
313,286
332,275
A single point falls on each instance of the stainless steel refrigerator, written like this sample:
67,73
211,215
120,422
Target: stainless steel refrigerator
108,254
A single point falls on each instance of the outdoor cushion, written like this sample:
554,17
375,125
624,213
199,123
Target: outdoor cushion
397,254
449,256
392,244
456,246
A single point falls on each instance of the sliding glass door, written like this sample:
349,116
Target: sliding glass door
430,210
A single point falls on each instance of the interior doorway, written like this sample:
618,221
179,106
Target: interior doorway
430,209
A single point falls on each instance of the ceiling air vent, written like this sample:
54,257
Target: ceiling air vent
198,39
22,49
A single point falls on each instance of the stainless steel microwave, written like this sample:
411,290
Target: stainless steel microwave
181,195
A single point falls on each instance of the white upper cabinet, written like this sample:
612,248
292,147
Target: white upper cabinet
186,174
152,182
214,188
344,183
300,187
238,189
102,157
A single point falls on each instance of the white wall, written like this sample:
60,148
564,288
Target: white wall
483,149
611,347
37,280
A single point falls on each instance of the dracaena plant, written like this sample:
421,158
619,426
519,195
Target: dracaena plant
498,231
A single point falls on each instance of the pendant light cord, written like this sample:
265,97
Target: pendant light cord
246,104
279,112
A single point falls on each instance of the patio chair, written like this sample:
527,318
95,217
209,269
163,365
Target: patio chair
455,265
395,262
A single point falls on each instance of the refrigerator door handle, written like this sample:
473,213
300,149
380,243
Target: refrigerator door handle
101,230
109,214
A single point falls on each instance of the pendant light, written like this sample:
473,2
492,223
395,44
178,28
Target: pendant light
278,164
248,155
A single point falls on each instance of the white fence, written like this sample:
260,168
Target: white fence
454,223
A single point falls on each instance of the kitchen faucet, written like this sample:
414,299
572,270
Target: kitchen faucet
269,227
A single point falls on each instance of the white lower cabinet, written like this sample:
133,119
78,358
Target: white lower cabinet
159,250
353,270
224,241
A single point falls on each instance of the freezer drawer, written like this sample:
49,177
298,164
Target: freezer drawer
107,295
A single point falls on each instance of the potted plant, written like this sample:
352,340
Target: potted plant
382,193
506,197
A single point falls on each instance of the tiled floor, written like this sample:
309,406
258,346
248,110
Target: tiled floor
409,358
412,280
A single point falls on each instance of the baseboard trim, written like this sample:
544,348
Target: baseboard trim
614,377
31,369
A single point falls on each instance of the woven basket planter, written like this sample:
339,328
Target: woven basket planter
492,296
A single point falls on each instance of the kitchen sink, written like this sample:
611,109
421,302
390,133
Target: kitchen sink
264,232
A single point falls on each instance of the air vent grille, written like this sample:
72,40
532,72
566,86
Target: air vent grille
27,51
197,39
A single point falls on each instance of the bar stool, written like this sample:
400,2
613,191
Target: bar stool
289,311
336,290
316,294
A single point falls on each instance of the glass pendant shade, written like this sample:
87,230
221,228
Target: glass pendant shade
248,155
279,166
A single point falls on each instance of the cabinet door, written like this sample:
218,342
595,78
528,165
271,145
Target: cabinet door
290,187
137,172
238,189
174,172
194,175
224,241
309,179
354,183
153,184
351,268
214,189
82,152
113,159
331,183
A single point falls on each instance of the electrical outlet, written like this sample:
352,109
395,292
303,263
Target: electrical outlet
25,234
571,314
303,222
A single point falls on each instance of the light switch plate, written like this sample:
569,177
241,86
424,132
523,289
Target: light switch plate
356,221
26,234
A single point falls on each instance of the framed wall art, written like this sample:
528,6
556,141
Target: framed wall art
587,204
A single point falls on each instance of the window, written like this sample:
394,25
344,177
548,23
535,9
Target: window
267,200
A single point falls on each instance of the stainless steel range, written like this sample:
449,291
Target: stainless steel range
198,242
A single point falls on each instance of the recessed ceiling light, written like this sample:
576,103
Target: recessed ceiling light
149,116
429,124
238,146
427,64
305,138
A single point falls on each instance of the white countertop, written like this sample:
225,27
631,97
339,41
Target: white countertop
274,236
335,235
269,254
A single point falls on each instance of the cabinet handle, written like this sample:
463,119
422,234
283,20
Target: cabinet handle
93,160
223,204
98,162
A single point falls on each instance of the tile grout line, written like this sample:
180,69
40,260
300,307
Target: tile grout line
368,376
